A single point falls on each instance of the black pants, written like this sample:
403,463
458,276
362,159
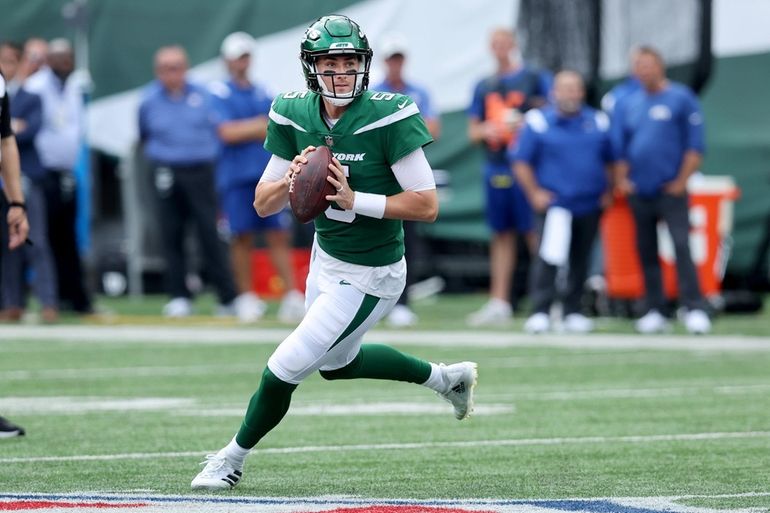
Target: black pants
674,210
543,276
61,201
186,193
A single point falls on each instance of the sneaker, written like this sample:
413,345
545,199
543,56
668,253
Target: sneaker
461,380
248,307
495,311
401,317
652,322
292,308
218,474
9,430
697,322
178,307
537,323
578,323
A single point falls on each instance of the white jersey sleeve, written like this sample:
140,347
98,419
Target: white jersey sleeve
275,170
414,173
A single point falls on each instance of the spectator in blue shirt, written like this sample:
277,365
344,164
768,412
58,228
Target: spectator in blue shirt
177,127
243,107
658,131
394,51
26,119
495,118
562,160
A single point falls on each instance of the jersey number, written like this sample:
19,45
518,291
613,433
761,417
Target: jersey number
338,214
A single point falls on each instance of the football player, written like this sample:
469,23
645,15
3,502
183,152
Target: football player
357,269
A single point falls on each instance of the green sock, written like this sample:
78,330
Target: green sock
266,409
378,361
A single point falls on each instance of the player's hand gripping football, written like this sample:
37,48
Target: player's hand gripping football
345,195
295,166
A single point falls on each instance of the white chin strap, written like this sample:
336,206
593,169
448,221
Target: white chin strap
340,100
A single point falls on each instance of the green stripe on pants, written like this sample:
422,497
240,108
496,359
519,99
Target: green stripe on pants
366,308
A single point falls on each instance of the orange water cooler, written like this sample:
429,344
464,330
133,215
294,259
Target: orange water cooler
711,221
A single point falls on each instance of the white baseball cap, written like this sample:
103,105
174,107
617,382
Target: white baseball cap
237,45
59,45
394,44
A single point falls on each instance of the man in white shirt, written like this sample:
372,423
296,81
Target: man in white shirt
58,144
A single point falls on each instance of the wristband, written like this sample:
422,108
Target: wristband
19,204
371,205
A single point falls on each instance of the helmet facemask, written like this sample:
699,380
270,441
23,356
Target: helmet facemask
360,75
335,35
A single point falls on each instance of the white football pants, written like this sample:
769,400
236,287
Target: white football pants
329,336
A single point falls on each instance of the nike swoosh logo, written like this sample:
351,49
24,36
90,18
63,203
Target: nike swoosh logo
343,282
402,104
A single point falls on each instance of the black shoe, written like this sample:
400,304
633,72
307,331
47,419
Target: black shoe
9,430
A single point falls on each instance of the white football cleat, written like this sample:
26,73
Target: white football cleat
461,379
218,474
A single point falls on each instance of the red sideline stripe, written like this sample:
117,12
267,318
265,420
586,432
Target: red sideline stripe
20,505
403,509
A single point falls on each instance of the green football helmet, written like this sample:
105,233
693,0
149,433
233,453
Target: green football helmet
335,34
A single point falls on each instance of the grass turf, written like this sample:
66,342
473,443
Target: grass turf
556,398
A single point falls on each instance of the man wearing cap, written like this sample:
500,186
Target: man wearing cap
243,107
394,51
58,144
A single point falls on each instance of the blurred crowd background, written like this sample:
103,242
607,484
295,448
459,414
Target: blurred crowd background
105,52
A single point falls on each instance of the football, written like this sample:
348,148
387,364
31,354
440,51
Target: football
307,195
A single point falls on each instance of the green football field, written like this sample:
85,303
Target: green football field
131,404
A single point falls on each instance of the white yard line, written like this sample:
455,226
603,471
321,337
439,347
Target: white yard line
78,405
225,335
359,409
636,439
590,359
69,405
128,372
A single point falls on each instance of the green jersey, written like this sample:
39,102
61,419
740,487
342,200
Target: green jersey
376,131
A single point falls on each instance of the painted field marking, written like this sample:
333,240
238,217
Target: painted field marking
152,503
360,409
78,405
634,439
85,404
544,361
127,372
221,336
